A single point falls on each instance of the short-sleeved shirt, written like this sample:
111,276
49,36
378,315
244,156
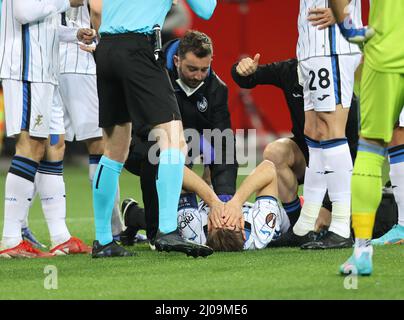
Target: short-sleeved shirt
385,51
139,16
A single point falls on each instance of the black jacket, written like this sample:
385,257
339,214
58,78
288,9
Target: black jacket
207,108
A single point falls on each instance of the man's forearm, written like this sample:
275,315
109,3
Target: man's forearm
96,9
193,183
339,9
28,11
256,181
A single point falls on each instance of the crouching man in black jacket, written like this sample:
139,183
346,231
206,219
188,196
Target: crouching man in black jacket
203,102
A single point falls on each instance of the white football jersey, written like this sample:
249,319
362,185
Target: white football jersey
72,58
29,40
319,43
265,220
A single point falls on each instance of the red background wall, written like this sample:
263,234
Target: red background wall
269,28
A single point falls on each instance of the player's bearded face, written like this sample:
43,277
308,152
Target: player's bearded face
193,70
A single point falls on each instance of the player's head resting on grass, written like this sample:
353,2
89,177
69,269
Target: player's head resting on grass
193,58
225,239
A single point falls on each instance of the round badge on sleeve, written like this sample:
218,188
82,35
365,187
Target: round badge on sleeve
202,104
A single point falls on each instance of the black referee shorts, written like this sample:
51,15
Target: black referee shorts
132,85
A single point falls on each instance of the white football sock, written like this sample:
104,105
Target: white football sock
338,172
19,192
314,190
51,190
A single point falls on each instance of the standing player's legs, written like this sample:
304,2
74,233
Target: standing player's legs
50,186
396,160
337,169
314,187
28,107
290,165
332,96
382,98
80,101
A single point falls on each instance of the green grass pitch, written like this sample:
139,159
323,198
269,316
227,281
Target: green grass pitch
266,274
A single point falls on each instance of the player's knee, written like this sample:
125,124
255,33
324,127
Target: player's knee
269,169
276,153
95,146
31,148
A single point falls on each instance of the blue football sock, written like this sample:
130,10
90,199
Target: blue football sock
169,184
105,184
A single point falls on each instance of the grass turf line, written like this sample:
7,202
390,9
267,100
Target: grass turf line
267,274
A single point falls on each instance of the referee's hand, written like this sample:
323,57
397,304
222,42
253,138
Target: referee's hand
248,66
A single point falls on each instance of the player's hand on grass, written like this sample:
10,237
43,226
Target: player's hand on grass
321,18
76,3
86,35
248,66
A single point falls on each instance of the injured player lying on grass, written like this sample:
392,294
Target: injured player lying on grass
243,226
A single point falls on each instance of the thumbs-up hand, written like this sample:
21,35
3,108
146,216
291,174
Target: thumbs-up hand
248,66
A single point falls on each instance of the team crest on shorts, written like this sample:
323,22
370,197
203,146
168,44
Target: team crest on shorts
271,220
38,120
202,104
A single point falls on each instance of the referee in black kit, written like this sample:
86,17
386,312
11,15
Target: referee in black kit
134,87
203,101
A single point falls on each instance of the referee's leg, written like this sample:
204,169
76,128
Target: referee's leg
105,184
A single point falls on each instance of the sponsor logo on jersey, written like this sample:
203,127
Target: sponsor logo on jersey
202,104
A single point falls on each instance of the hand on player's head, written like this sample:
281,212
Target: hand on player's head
233,217
76,3
248,66
321,18
217,215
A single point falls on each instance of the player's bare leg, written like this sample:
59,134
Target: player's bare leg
290,167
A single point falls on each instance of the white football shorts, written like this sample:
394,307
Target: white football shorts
80,102
328,81
32,107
